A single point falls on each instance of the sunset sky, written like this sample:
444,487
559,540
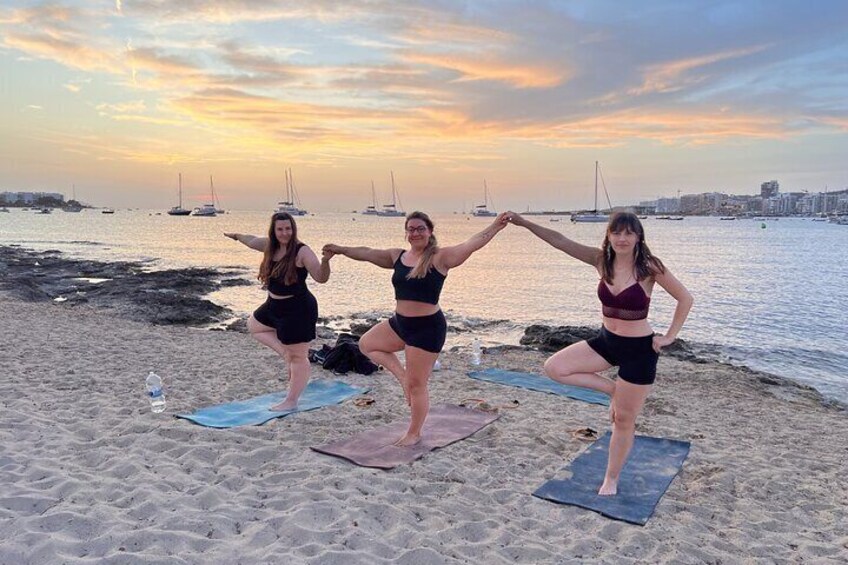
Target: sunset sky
119,97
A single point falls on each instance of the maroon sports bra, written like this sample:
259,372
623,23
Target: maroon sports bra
630,304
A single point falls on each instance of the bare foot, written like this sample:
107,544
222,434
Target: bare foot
408,440
283,406
609,488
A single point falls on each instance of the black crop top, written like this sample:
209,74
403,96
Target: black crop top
426,289
280,288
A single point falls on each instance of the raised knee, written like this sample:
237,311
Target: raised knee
553,369
365,346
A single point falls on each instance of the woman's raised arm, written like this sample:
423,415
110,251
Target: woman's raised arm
252,241
456,255
585,253
381,257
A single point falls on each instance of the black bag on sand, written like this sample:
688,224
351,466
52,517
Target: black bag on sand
319,355
345,356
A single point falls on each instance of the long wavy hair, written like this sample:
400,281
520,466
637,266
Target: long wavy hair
286,268
646,264
425,262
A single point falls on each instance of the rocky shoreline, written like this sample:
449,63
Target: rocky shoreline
166,297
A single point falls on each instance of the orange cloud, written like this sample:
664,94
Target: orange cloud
667,128
64,51
473,68
447,33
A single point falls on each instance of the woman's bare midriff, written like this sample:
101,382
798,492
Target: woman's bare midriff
276,297
412,308
628,328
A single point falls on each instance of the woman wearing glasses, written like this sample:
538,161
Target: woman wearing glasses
418,326
286,321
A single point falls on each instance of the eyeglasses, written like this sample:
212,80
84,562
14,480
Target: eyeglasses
416,229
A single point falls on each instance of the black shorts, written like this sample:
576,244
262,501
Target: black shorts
424,332
634,356
294,318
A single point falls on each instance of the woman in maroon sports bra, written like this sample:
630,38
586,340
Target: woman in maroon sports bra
627,271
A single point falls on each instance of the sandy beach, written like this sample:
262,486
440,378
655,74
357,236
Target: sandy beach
89,475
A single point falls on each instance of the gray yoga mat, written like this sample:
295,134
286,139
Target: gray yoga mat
652,465
445,425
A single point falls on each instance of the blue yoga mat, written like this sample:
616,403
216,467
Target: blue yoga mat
652,465
539,383
254,411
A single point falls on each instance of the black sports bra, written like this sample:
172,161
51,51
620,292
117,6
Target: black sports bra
426,289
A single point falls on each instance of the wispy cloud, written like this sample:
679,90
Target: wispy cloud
64,51
675,75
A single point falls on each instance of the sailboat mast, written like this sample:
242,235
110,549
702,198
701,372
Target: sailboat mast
596,186
180,181
392,173
288,189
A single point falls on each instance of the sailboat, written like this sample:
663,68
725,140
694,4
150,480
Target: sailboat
73,206
372,209
391,210
292,202
592,216
215,201
207,210
482,210
179,210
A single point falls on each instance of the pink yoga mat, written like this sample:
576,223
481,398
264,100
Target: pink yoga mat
445,425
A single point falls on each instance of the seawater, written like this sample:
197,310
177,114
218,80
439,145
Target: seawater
772,298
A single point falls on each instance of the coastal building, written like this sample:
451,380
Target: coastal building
648,206
690,204
824,203
769,189
668,205
29,198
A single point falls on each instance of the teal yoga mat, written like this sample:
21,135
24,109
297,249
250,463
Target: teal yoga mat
254,411
652,465
539,383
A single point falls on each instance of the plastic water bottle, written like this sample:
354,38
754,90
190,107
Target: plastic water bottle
476,352
155,392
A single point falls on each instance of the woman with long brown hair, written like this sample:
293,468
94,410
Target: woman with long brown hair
418,326
286,321
628,271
